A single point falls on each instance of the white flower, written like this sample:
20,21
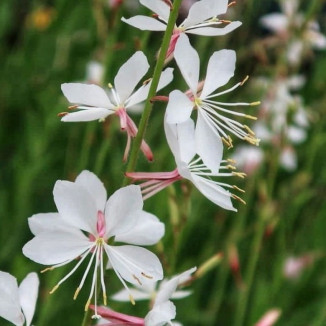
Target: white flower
181,139
83,208
269,318
212,124
202,19
292,25
94,103
17,304
248,158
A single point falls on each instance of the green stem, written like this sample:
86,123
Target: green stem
152,91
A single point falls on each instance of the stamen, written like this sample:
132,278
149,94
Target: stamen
76,293
241,175
245,79
132,300
87,304
47,269
72,107
255,103
228,142
54,289
147,276
237,188
233,3
137,279
62,114
147,81
249,130
232,161
239,199
231,167
250,117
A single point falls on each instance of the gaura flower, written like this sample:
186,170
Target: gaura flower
94,103
290,24
83,209
181,139
202,19
17,304
163,310
269,318
213,124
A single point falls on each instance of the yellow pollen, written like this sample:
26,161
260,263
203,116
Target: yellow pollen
250,117
54,289
110,85
232,161
105,299
131,298
228,142
255,103
87,304
231,167
198,101
76,293
246,78
241,175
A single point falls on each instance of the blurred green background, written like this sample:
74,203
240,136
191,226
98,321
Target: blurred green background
46,43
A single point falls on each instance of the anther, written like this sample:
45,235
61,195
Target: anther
54,289
110,85
237,188
231,167
72,107
241,175
105,301
145,275
131,298
233,3
137,279
62,114
246,78
232,161
87,304
250,117
47,269
239,199
255,103
249,130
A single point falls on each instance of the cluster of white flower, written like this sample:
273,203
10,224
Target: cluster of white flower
87,224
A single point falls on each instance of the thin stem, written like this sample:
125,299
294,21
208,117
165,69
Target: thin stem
152,91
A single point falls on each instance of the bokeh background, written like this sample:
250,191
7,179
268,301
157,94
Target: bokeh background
273,248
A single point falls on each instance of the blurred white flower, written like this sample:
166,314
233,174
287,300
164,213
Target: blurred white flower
294,266
269,318
17,304
248,158
212,124
94,72
301,35
94,103
83,208
201,20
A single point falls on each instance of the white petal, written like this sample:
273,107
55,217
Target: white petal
28,292
43,222
120,210
214,31
145,23
158,7
75,205
168,288
203,10
9,300
186,140
86,94
214,192
94,186
209,146
179,107
137,294
220,70
50,248
147,231
188,62
171,137
141,94
90,114
275,22
161,314
129,75
134,264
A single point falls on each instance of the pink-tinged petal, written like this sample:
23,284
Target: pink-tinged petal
120,210
145,23
55,247
168,288
134,264
179,107
75,205
159,7
161,314
28,292
129,75
203,10
9,300
94,186
187,59
86,94
220,70
141,94
275,22
90,114
214,31
209,145
270,318
147,231
214,192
